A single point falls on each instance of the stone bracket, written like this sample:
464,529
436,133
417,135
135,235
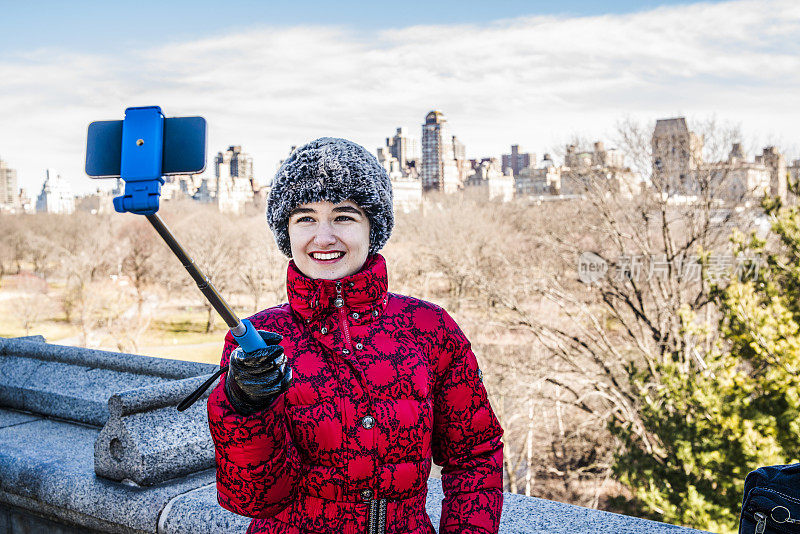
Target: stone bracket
146,440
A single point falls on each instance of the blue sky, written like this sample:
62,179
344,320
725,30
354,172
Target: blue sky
267,76
109,25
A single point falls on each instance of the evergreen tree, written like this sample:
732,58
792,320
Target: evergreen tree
725,410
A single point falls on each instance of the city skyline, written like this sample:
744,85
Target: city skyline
678,167
526,80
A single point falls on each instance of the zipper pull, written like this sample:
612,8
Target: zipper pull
339,302
762,522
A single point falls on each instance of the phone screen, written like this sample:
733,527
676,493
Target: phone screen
184,150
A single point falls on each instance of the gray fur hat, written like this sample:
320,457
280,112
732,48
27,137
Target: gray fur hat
334,170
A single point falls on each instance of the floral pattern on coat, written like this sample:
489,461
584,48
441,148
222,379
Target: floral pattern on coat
383,384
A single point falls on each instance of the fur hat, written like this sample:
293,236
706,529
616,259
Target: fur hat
334,170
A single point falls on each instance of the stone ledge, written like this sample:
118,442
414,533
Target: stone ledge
144,438
56,480
198,512
531,515
35,347
148,441
75,383
47,469
15,521
48,466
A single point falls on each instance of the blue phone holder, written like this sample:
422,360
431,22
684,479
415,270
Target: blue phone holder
140,163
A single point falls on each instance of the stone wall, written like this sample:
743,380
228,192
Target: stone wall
90,441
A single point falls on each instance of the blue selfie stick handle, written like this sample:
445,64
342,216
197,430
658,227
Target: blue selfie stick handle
250,340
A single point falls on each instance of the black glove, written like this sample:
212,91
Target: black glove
255,379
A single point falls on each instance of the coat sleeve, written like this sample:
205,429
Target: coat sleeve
257,464
466,440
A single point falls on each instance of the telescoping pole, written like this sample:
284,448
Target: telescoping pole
242,331
203,283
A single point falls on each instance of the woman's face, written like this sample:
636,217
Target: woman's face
328,240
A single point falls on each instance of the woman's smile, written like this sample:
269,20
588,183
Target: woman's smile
327,257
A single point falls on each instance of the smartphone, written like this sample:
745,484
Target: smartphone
184,150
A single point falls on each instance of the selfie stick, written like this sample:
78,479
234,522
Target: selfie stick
141,168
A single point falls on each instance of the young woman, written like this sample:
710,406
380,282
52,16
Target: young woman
333,427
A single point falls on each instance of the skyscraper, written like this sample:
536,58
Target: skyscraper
9,195
233,172
676,153
403,148
233,162
440,170
776,163
516,161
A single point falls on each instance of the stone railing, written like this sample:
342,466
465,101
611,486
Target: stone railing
90,441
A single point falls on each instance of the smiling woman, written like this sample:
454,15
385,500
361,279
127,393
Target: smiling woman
329,240
333,427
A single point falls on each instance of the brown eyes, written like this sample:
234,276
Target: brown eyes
340,218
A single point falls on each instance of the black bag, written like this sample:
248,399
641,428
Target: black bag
771,501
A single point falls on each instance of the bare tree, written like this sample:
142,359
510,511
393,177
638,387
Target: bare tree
139,257
32,242
211,238
522,262
552,449
32,304
10,229
451,237
260,267
611,333
125,317
87,253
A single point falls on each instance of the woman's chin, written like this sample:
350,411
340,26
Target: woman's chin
325,271
330,269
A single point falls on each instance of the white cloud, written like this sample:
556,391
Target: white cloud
532,80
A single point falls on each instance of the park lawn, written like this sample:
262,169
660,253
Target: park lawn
208,352
51,330
176,333
179,333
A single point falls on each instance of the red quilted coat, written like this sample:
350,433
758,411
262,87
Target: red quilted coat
383,383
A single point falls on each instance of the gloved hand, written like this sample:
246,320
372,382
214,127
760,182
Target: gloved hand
255,379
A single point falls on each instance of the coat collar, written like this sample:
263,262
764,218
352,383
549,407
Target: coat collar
362,292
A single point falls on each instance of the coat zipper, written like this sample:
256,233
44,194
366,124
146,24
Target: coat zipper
376,521
372,518
345,329
381,517
343,319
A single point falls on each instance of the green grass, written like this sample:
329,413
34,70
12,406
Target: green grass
182,321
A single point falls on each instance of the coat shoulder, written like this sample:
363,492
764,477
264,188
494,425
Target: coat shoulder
426,315
398,303
272,317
